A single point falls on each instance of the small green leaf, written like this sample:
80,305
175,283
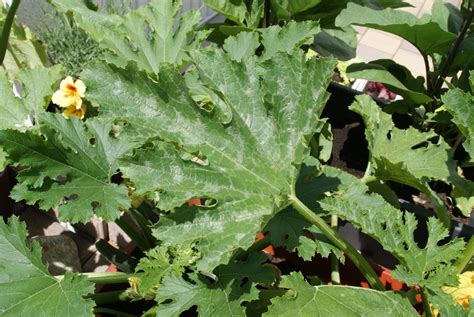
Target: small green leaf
290,230
285,9
302,299
72,168
27,287
242,46
234,284
461,106
160,262
234,10
294,34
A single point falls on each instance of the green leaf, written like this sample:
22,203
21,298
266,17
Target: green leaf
160,262
233,10
338,42
285,9
302,299
290,230
147,36
34,87
242,46
429,266
461,106
294,34
72,168
27,287
381,71
275,39
424,33
408,156
233,285
245,169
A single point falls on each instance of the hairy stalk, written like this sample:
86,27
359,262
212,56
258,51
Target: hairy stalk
359,261
7,29
429,83
466,257
458,141
266,14
454,50
103,277
425,303
334,261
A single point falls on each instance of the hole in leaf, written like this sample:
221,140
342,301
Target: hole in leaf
72,197
149,32
244,281
18,89
389,135
92,142
61,179
420,145
132,45
95,205
117,178
208,202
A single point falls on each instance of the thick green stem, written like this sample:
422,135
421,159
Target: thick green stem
466,257
141,242
7,29
103,278
109,297
144,225
426,304
112,312
359,261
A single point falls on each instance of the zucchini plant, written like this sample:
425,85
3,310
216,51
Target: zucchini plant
168,121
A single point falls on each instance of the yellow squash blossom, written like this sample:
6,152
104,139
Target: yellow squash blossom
73,111
70,93
464,292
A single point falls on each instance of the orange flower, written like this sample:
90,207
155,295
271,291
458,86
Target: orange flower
70,93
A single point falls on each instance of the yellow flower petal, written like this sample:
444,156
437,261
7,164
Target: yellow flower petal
65,83
69,93
464,292
74,112
81,88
